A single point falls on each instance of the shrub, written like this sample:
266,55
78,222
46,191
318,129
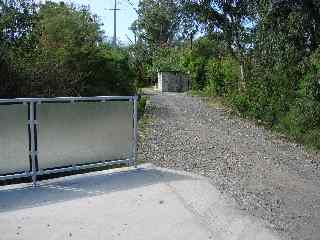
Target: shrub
311,138
215,79
240,102
142,106
222,76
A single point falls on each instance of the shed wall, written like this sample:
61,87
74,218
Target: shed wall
173,82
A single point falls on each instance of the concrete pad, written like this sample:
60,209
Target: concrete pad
144,203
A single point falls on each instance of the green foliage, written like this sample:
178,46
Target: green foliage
142,106
262,57
222,76
165,59
310,85
109,73
194,60
57,49
157,27
241,103
16,22
304,115
170,59
158,22
231,19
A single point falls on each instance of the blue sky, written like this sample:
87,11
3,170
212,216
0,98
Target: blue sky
125,16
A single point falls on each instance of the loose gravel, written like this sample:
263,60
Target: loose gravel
269,177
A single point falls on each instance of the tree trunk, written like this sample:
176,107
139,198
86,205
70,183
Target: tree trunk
242,84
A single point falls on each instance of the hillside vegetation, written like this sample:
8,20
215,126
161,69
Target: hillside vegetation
57,49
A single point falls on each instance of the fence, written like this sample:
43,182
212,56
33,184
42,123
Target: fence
50,135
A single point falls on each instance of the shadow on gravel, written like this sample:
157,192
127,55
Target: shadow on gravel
80,186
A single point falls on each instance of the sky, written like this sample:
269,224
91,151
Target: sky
125,16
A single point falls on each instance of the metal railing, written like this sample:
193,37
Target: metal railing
42,136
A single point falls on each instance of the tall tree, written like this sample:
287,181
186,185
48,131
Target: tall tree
232,19
57,49
307,12
16,24
158,21
67,38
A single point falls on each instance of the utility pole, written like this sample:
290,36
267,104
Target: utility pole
115,9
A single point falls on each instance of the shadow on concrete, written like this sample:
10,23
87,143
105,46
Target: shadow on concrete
80,186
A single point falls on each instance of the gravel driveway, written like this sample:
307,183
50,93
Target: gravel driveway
270,178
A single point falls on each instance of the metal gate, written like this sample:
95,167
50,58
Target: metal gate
42,136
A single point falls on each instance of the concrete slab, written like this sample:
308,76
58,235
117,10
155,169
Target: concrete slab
144,203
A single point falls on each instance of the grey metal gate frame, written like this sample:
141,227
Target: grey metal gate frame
32,131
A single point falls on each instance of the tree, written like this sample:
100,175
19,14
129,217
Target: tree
57,49
158,21
66,38
232,19
16,24
308,13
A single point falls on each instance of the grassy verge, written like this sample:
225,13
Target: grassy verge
142,102
144,120
311,140
212,101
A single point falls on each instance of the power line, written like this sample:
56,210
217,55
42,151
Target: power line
115,9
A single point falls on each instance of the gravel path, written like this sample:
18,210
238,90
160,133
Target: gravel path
276,181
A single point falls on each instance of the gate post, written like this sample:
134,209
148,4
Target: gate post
33,150
135,129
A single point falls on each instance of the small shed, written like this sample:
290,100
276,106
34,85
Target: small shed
173,82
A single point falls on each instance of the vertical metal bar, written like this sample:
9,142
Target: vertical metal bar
135,129
36,125
32,144
131,107
29,139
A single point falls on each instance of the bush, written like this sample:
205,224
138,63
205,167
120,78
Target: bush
222,76
142,102
240,102
311,138
59,51
168,59
215,79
